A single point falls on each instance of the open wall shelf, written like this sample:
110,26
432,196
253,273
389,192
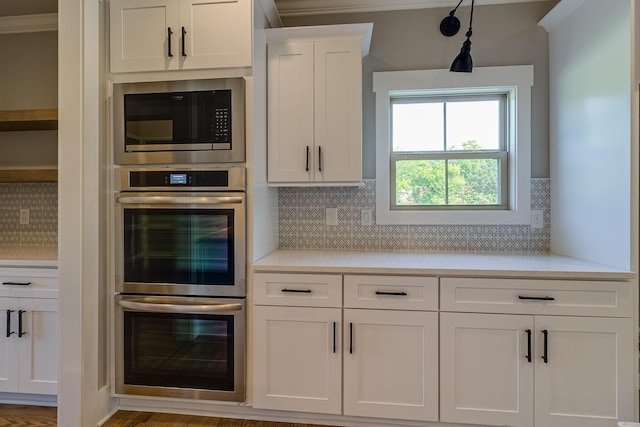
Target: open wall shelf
26,120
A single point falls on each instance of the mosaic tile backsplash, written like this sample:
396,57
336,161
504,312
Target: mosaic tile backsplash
301,224
41,199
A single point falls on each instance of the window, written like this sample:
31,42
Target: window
453,148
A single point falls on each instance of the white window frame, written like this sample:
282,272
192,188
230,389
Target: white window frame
516,81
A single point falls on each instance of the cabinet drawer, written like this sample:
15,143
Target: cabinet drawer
522,296
391,292
38,283
302,290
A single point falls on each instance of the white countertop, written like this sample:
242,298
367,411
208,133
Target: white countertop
28,256
436,263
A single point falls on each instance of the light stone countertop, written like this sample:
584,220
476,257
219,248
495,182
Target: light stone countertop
437,263
28,256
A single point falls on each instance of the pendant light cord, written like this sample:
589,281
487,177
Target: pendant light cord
469,32
455,8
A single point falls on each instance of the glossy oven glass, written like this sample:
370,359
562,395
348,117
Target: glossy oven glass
181,244
181,347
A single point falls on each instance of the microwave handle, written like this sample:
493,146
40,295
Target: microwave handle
179,200
159,307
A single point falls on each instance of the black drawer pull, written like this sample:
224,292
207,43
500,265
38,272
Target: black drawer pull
299,291
536,298
169,34
528,331
351,338
334,336
20,331
16,283
545,355
398,294
9,332
184,33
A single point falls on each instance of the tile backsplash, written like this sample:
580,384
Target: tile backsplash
302,225
41,199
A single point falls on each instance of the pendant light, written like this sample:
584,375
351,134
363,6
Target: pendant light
463,62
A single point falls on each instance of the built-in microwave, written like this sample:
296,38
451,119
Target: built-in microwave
197,121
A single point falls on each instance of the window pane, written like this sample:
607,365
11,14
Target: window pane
473,181
418,126
473,125
420,182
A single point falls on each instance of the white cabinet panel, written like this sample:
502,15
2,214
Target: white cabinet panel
391,292
485,377
584,381
139,35
29,355
215,33
301,290
297,359
391,364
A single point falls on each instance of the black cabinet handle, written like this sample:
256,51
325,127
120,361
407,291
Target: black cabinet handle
528,345
319,159
545,354
536,298
306,168
399,294
20,331
334,336
169,34
9,332
16,283
184,52
350,338
299,291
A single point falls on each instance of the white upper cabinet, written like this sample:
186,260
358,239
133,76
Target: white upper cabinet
315,104
156,35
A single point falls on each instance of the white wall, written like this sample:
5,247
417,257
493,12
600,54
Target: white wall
590,132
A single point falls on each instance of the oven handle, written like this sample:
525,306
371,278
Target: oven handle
205,200
179,308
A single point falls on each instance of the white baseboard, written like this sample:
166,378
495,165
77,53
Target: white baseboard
28,399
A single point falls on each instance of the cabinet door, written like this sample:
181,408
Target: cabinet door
139,35
9,356
290,107
297,359
391,364
485,376
215,33
39,346
338,110
586,380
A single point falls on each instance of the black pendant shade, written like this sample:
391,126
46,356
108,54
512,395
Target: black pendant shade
463,62
450,25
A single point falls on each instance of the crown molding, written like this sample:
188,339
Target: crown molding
319,7
29,23
558,14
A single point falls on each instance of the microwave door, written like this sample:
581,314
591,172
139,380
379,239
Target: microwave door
160,122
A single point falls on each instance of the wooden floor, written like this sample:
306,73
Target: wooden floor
30,416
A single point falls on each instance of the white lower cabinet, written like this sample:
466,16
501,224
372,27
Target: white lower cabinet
391,364
537,353
29,350
297,359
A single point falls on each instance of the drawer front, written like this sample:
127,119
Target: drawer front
37,283
300,290
521,296
391,292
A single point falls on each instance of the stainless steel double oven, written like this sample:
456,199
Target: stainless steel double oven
180,282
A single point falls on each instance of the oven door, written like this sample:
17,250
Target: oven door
180,347
181,244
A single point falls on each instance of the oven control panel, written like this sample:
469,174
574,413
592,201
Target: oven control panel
173,179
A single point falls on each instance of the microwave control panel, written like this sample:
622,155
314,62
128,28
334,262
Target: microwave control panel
221,126
173,178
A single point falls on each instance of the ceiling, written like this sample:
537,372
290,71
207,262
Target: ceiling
313,7
285,7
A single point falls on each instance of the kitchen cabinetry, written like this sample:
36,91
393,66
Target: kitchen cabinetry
390,364
542,365
29,332
156,35
315,104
